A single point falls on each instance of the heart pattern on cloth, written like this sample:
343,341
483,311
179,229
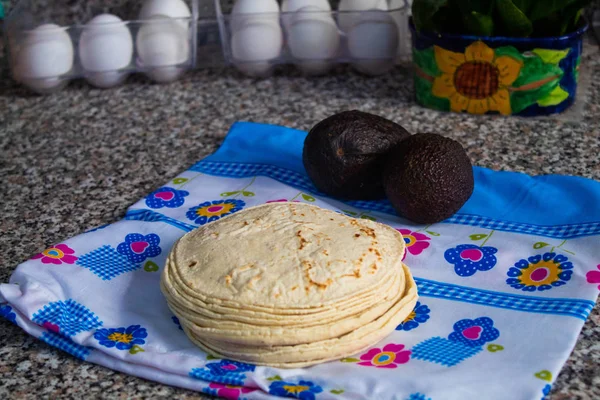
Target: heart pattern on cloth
492,348
544,375
471,254
166,196
150,266
139,247
472,333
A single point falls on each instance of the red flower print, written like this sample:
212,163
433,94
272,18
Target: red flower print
61,253
415,242
389,357
594,276
230,391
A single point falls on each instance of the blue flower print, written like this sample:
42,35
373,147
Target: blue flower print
474,332
166,197
225,367
419,315
6,311
176,322
546,392
540,272
121,338
137,247
469,258
303,390
213,210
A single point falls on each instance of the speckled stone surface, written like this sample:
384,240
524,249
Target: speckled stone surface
76,159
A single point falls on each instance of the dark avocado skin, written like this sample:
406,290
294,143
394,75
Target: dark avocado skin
345,154
428,178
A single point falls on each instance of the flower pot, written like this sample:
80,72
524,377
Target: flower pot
509,76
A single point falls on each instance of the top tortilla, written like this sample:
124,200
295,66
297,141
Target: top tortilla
286,256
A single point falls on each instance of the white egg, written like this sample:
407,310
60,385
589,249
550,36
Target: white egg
246,12
295,5
310,8
162,46
373,43
255,46
44,54
177,9
351,11
105,47
400,14
313,40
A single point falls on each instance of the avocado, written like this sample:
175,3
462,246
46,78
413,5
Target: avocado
428,178
345,154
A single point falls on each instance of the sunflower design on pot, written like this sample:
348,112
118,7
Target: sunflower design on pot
540,272
210,211
476,81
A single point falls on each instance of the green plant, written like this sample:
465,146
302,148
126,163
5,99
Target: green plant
516,18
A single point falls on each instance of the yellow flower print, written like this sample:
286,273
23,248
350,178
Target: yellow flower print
476,81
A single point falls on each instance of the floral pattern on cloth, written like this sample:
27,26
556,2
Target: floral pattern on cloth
540,272
228,372
546,392
474,332
121,338
137,247
166,197
470,258
6,312
593,277
230,392
390,356
466,340
415,242
59,254
176,322
303,390
210,211
419,315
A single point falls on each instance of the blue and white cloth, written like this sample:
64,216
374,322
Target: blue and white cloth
505,285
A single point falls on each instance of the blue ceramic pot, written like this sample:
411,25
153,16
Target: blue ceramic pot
509,76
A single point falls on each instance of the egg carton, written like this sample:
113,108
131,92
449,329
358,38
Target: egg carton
53,42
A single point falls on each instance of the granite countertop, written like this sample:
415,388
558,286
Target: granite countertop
76,159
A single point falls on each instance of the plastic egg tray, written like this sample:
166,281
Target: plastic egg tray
212,36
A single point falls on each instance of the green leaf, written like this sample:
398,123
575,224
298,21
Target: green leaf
538,9
368,217
479,6
479,24
423,12
151,266
211,357
349,360
179,181
509,51
349,212
478,236
514,21
337,391
274,378
425,61
226,194
540,245
576,68
551,56
426,98
557,96
536,80
308,198
248,194
433,233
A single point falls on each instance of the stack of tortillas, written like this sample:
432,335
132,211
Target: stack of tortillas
288,285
